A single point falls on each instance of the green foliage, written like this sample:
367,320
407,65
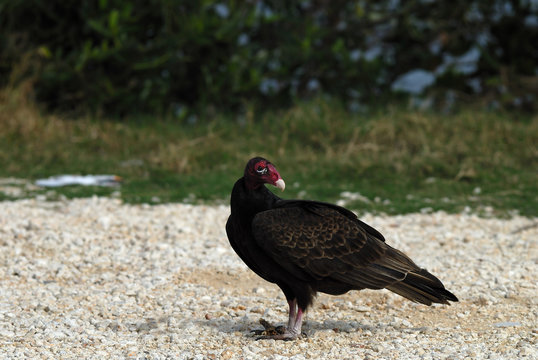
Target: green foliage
400,160
164,56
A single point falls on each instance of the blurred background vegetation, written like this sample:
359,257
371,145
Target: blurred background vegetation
388,105
120,57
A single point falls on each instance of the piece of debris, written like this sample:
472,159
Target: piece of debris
84,180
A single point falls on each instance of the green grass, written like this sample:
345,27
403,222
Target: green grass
400,160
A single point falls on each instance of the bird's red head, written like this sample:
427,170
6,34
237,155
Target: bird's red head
260,171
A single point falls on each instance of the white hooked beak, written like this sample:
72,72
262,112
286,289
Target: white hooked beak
280,184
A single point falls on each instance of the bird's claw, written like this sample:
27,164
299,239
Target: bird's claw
285,336
275,332
269,330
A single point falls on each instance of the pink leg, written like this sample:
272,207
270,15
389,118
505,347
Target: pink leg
293,313
293,331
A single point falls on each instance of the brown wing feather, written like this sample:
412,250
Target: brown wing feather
317,243
321,245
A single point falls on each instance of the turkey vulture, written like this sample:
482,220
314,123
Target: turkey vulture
309,246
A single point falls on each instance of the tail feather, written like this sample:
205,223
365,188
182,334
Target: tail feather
422,287
396,272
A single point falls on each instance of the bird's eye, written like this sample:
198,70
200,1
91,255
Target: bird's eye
261,170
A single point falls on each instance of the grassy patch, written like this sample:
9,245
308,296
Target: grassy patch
393,161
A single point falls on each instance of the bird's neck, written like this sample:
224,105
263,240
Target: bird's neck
247,201
251,185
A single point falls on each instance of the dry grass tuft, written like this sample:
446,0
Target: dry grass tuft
318,144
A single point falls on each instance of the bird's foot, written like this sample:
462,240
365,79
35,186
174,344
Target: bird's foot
274,332
269,329
286,336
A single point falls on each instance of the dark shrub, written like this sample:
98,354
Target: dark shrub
164,56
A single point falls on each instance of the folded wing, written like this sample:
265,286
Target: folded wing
318,243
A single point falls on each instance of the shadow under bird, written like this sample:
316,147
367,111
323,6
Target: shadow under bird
306,247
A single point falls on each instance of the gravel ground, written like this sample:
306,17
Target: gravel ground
94,278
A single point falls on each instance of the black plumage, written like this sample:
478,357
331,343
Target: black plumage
307,247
